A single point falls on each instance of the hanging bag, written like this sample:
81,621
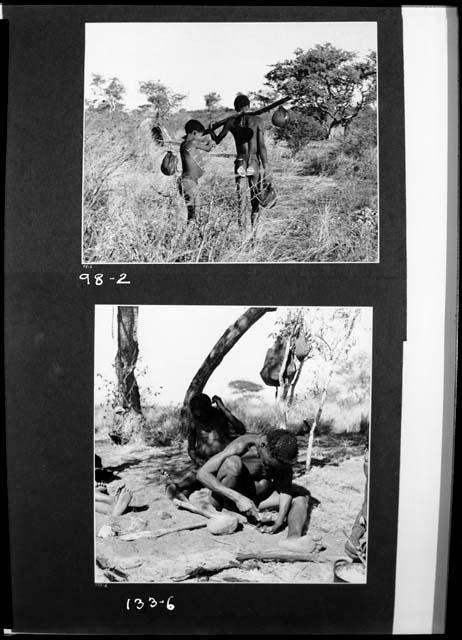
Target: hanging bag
280,118
169,164
303,346
273,363
267,196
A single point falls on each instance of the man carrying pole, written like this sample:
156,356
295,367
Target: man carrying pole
251,164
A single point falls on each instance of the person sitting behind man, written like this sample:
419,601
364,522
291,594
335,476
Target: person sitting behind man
192,170
254,473
211,429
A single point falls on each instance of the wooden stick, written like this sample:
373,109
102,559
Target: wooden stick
260,556
258,112
203,571
277,556
177,143
162,532
188,506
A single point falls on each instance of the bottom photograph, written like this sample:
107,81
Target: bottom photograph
231,444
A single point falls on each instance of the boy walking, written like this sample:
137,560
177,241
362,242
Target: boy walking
188,184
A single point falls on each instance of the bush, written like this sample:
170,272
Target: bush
363,128
163,426
300,130
319,160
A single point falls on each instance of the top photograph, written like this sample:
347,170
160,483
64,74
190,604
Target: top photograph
230,142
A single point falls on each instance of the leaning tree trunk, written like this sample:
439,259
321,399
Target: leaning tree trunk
128,418
211,362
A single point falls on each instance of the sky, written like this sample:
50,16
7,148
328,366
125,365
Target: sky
173,342
196,58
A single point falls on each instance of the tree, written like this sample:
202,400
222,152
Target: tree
331,85
262,98
212,100
300,129
216,355
105,94
161,100
129,421
333,345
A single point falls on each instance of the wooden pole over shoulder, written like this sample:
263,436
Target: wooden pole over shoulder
258,112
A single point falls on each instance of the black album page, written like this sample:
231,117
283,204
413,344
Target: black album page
205,317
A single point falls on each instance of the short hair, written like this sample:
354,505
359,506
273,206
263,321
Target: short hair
194,125
200,402
282,445
241,101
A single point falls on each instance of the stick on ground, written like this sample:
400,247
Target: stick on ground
278,556
162,532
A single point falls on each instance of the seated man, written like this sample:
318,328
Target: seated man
188,184
211,429
256,470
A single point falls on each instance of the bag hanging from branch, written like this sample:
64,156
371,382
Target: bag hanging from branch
303,346
273,362
169,163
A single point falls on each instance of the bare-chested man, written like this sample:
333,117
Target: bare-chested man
212,428
192,170
256,469
251,164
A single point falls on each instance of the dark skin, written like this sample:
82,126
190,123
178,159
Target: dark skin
210,431
248,134
193,143
249,138
227,475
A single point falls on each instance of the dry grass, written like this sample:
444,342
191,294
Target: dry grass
163,423
326,208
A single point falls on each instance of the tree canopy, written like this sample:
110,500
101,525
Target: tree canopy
162,99
212,100
105,94
330,84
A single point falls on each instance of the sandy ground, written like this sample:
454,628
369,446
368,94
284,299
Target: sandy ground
336,485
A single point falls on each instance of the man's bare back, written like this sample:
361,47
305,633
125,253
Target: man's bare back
246,130
251,155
